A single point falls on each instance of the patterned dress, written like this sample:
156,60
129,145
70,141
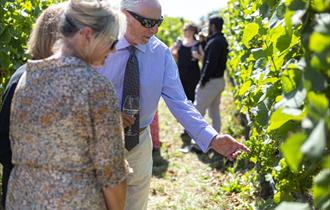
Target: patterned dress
66,137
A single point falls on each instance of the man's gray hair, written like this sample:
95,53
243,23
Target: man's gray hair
129,4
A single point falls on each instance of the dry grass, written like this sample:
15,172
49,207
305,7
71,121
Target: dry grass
192,181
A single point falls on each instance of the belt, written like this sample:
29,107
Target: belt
142,129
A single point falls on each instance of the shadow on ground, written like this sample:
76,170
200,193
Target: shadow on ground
160,164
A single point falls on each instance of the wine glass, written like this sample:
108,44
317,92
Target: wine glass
131,108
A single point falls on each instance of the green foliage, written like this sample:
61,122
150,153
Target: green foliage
170,30
280,62
16,20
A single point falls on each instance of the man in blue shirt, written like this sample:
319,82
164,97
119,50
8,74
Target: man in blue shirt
158,76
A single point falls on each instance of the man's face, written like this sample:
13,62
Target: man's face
211,29
143,23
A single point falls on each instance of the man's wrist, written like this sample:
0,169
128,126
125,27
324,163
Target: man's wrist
211,142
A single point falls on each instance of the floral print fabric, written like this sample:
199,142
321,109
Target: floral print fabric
66,137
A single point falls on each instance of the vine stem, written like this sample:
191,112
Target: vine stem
271,57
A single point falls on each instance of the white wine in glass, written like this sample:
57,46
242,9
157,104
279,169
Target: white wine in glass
131,108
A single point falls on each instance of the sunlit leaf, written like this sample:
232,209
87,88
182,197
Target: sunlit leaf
326,163
291,150
283,115
321,189
245,88
318,105
291,79
250,31
319,42
320,5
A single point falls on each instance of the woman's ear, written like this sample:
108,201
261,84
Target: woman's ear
86,33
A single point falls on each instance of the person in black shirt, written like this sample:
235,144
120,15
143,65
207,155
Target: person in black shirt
212,83
187,52
42,39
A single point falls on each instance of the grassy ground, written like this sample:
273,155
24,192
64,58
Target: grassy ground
187,181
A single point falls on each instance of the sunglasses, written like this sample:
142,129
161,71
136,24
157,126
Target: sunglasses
146,22
113,45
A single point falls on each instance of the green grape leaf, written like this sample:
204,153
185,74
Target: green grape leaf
258,53
318,105
316,79
321,189
283,115
320,5
326,163
283,42
261,63
319,42
250,31
291,79
319,102
296,4
277,16
245,88
294,99
316,142
263,114
291,150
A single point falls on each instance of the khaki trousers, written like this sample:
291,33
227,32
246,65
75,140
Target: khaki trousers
140,160
208,97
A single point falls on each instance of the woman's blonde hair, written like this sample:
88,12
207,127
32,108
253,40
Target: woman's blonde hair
97,15
45,32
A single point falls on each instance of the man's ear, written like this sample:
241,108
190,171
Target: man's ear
86,33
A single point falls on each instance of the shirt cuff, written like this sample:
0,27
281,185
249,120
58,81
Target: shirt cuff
205,137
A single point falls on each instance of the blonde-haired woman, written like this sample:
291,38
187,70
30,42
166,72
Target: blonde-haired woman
66,132
42,38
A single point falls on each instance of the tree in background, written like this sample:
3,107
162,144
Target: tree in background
170,30
16,20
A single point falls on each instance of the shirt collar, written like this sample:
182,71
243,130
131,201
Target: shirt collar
123,43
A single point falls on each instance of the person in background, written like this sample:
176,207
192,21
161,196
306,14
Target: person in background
202,37
144,67
188,52
212,83
42,38
65,129
154,129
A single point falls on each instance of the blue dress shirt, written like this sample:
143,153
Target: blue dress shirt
159,76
